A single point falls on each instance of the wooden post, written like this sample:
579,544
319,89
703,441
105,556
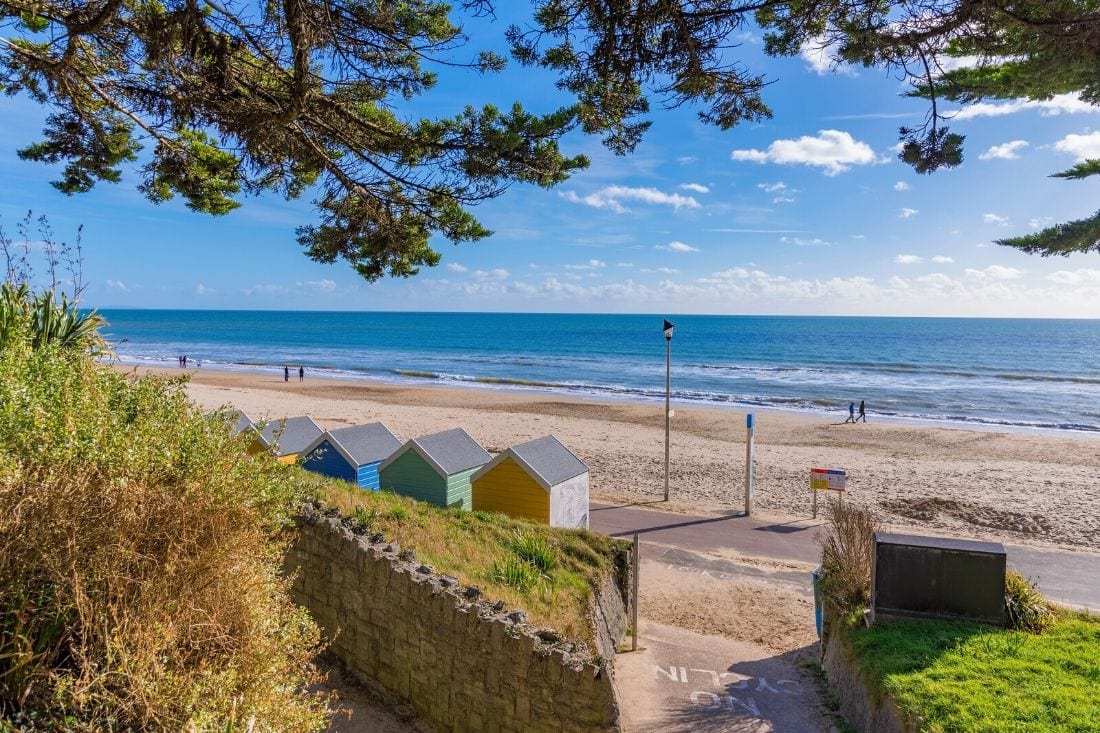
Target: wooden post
634,601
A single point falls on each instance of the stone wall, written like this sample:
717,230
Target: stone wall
861,707
463,663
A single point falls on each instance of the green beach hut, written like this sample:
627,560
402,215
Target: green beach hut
435,468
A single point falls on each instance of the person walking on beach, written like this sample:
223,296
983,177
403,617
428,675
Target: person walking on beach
862,411
851,412
301,374
286,373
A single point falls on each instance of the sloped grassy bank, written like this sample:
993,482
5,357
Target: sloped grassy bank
140,559
548,573
956,676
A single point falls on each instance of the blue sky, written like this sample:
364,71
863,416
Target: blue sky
807,213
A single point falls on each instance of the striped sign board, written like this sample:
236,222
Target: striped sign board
827,479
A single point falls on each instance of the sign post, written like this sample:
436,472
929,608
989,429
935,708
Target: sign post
827,479
750,462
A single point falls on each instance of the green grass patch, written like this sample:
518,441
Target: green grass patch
952,677
547,572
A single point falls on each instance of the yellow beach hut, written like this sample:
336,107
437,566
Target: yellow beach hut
286,438
540,480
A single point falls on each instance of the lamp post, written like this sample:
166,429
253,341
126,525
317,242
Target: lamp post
668,394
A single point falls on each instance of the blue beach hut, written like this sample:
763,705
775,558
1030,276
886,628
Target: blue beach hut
435,468
352,454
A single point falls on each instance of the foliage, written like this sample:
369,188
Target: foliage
43,320
847,551
304,94
1025,607
140,582
480,549
284,97
957,676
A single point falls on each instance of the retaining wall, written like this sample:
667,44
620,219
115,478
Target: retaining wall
463,663
864,710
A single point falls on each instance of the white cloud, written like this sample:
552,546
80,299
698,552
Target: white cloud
1080,276
782,200
901,186
821,58
995,219
662,270
943,259
1085,147
995,272
324,285
1040,222
908,259
455,267
834,150
907,213
696,187
677,247
624,264
685,159
1057,105
117,285
201,289
590,265
497,273
772,187
263,289
611,197
859,236
800,242
1004,151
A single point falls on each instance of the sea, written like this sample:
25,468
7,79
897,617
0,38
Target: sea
1009,373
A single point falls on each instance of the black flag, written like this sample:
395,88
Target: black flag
668,329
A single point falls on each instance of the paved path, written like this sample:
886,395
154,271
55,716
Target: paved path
1072,578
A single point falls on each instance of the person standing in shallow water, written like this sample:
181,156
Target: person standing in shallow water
301,374
851,412
286,373
862,411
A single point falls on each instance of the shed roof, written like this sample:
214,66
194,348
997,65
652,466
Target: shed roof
290,435
360,444
448,452
240,422
547,460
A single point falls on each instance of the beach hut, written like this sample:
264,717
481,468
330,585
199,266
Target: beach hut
435,468
540,480
286,438
352,454
239,422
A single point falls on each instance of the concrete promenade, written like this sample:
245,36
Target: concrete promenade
1070,578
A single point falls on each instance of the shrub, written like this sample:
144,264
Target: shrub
516,573
140,582
847,551
1025,607
536,551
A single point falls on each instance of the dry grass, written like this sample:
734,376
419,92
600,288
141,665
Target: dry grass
847,551
139,574
469,545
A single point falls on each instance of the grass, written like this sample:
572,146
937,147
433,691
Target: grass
547,572
952,677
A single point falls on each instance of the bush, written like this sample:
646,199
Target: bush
1025,607
847,551
140,582
536,551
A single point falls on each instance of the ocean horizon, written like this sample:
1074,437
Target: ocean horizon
1021,373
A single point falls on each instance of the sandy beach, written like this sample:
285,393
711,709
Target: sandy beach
1016,487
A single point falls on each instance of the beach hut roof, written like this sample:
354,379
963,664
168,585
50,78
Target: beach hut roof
547,460
290,435
240,422
360,444
448,452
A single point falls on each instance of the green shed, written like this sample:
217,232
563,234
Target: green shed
435,468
